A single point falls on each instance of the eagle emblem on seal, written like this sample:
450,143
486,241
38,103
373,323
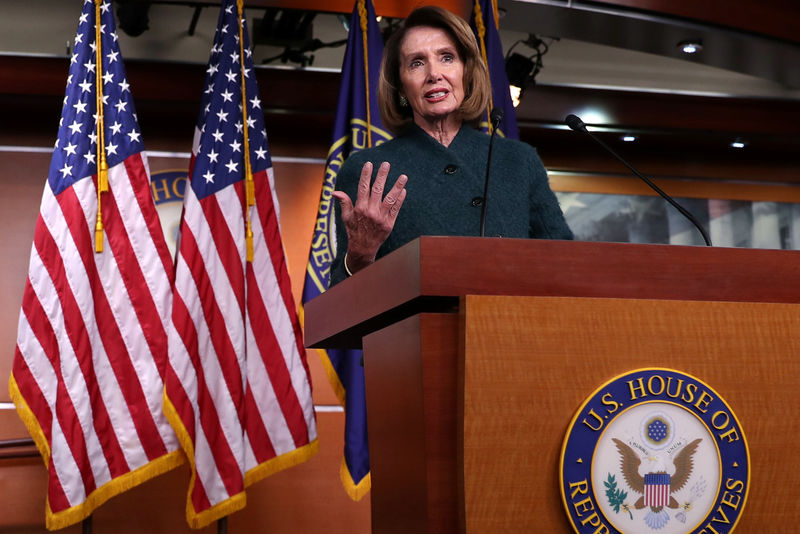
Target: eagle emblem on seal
656,486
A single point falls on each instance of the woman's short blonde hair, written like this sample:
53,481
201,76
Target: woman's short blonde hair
477,86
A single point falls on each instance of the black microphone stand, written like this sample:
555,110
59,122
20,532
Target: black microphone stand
575,123
495,118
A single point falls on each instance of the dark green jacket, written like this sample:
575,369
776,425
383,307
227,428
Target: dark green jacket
445,188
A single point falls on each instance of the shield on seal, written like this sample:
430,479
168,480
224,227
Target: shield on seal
656,489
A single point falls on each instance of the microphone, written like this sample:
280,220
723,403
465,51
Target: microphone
496,116
575,123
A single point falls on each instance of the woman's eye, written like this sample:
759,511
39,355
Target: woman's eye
415,63
447,58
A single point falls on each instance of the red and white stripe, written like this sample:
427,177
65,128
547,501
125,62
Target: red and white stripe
237,383
91,347
656,494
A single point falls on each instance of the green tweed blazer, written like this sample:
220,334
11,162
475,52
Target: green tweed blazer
445,190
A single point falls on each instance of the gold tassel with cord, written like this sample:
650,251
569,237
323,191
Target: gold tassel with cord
102,164
249,182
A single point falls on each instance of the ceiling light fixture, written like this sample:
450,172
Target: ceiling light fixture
629,138
516,93
518,70
738,143
690,47
521,70
133,17
595,117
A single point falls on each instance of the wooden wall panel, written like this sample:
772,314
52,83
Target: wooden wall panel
22,178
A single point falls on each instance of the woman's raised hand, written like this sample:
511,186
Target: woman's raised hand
372,219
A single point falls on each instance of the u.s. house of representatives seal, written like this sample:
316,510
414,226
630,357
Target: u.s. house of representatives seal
654,451
168,188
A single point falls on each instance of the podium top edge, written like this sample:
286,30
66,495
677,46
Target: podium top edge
432,266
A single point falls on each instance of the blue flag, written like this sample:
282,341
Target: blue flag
484,23
358,126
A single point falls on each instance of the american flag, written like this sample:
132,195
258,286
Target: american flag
238,390
87,377
656,489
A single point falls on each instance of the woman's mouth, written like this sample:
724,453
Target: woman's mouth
436,95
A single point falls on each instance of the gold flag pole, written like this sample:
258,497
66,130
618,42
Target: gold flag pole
250,191
482,41
102,164
362,16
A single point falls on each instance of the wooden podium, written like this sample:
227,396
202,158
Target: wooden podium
479,351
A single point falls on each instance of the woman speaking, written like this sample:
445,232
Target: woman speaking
433,86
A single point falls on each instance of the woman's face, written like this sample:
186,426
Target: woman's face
431,73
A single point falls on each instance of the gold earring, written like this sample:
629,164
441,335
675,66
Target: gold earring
403,101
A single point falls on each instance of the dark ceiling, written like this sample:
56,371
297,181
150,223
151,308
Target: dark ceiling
762,40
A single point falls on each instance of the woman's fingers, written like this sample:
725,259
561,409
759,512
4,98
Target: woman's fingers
363,194
345,204
377,187
395,208
395,197
372,212
371,219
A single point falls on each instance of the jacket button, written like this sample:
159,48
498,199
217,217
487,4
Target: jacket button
477,201
451,169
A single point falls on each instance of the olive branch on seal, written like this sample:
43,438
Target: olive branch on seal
616,497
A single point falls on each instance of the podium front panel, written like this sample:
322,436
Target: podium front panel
529,363
410,370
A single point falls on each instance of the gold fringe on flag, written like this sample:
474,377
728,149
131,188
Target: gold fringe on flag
249,184
102,164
